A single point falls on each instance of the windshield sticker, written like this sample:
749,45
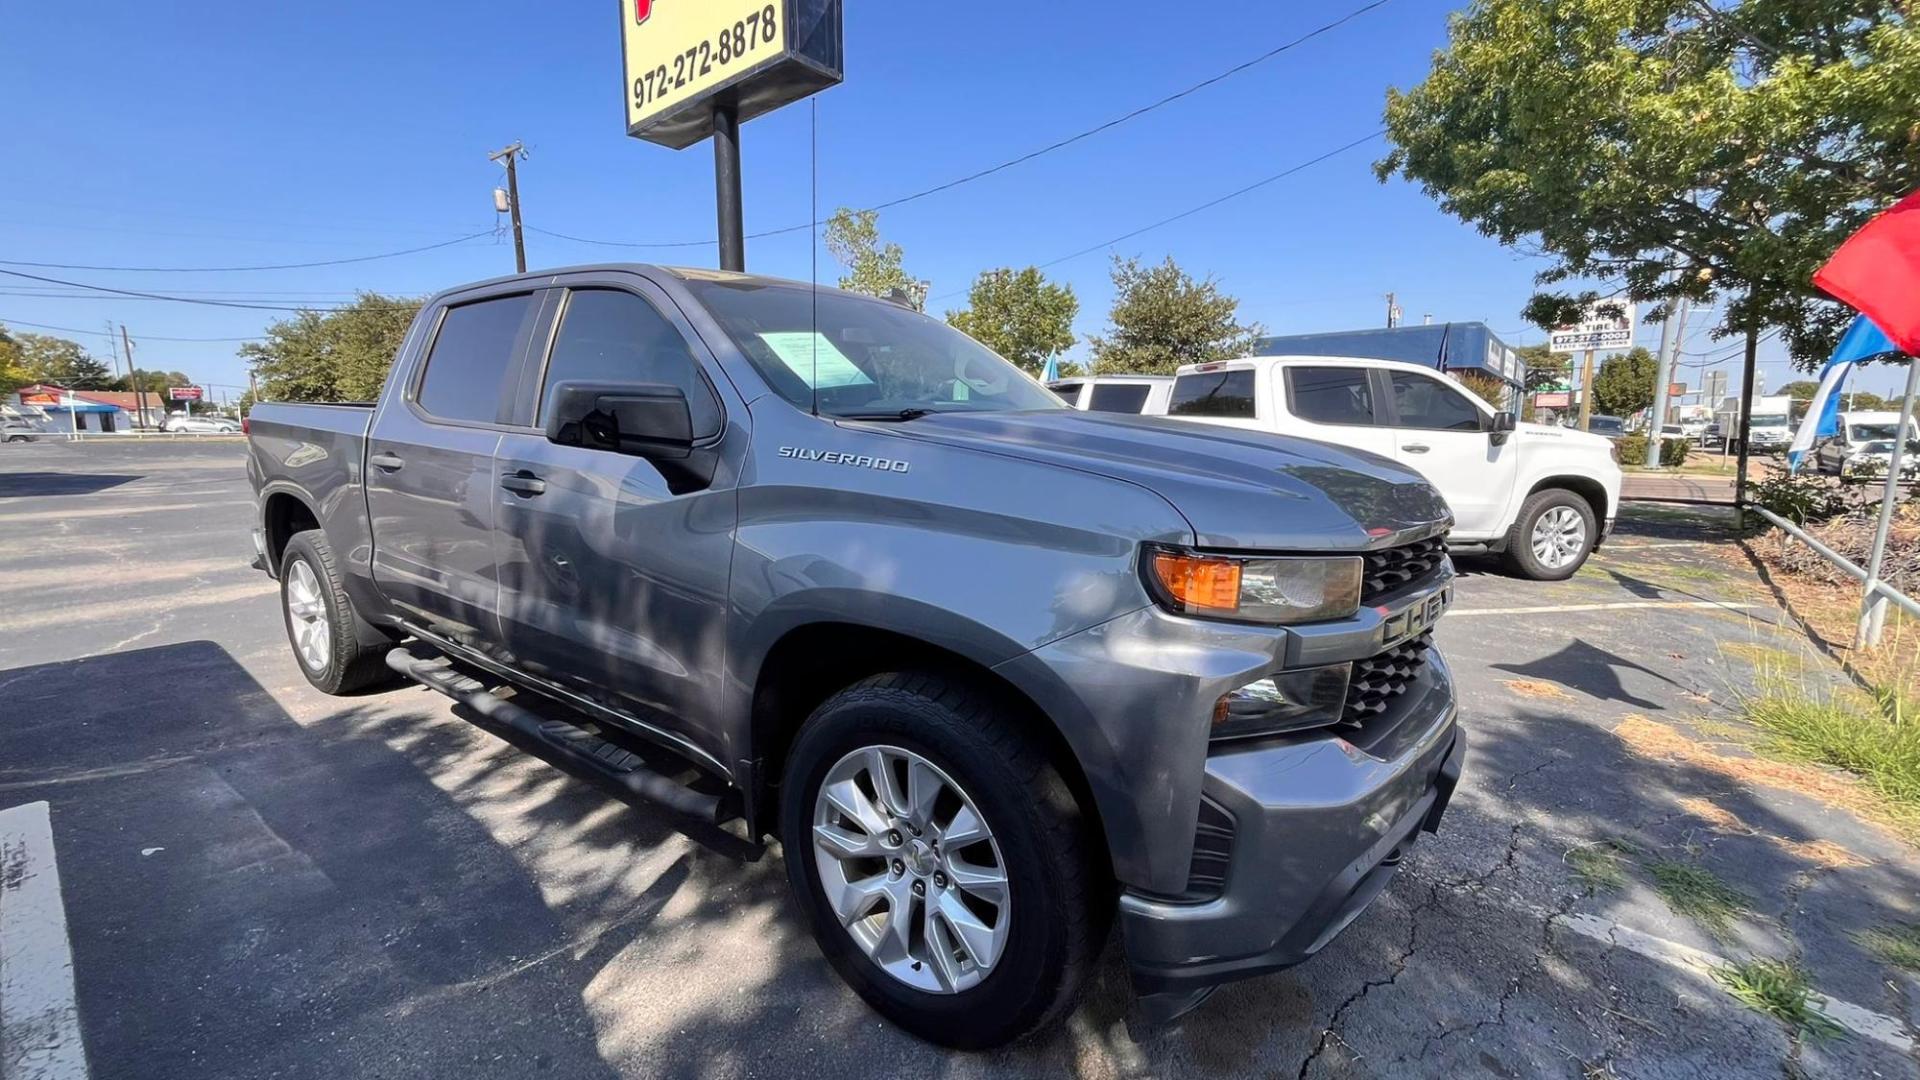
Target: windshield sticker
811,356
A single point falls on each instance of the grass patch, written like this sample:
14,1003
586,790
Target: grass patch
1897,945
1693,891
1874,736
1601,867
1779,989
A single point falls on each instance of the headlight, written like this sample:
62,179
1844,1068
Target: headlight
1283,701
1275,591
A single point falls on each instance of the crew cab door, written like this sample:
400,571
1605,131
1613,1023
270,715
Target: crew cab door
614,583
1445,436
430,466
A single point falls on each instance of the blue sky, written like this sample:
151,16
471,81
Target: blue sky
224,133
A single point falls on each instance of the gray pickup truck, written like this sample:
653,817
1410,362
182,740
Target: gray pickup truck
998,672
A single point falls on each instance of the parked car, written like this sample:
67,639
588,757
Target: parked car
1862,449
1116,393
997,671
206,425
1543,496
17,431
1607,427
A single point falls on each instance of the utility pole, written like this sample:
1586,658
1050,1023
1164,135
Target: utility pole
1663,375
1393,312
1586,391
139,388
509,156
1744,427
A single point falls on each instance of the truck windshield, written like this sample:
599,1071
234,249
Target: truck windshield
1768,420
864,358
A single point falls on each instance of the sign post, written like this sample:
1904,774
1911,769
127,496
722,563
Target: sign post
1603,326
700,68
188,394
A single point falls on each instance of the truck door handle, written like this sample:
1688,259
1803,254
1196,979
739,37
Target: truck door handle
389,462
523,483
1416,448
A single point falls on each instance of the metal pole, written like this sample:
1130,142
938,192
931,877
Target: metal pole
1741,427
1663,374
139,388
726,187
1873,606
1586,391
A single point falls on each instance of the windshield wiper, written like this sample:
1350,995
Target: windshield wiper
895,415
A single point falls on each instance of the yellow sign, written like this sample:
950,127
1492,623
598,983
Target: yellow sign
684,56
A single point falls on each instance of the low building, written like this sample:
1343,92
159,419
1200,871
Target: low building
1458,347
89,411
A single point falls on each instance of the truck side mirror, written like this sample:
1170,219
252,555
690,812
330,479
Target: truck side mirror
1500,428
648,420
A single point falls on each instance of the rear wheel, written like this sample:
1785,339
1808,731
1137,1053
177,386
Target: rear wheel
337,650
944,867
1552,536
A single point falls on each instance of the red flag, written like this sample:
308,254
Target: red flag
1877,272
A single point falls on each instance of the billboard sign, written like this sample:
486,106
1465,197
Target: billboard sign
184,393
1603,326
683,57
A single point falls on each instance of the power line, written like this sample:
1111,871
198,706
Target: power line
1208,205
4,321
1022,159
246,269
136,294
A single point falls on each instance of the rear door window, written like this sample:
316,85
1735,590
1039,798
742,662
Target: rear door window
1214,393
472,359
1119,397
1331,395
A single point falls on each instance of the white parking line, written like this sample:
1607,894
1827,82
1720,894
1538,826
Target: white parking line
39,1022
1855,1018
1622,606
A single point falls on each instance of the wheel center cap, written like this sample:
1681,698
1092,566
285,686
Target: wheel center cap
920,856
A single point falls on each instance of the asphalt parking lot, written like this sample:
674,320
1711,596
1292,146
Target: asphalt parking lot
261,881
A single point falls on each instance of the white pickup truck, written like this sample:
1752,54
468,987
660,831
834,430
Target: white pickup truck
1543,496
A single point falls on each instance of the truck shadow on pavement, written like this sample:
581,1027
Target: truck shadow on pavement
16,485
380,889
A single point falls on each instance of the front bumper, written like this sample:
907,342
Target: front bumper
1319,827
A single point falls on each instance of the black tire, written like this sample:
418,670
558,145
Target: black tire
1520,556
357,656
1056,894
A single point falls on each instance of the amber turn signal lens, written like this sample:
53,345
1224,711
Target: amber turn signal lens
1199,584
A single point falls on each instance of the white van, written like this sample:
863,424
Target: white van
1543,496
1116,393
1863,448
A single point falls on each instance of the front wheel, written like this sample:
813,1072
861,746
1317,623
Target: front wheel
1552,536
944,867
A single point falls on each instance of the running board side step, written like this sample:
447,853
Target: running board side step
578,747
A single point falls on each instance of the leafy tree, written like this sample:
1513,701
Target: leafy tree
1487,388
153,382
13,367
1163,318
1624,384
1868,401
61,362
1020,315
339,355
1745,140
874,268
1799,388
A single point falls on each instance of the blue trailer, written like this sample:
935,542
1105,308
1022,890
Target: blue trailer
1460,346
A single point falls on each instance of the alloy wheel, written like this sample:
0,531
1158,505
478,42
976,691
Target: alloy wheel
307,615
1559,536
911,869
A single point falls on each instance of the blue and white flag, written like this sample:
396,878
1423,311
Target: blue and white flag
1862,341
1051,372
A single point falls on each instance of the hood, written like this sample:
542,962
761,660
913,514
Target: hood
1239,489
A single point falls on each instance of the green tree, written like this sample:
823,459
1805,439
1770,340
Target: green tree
1799,388
1546,369
1488,388
153,382
1163,318
1624,384
1868,401
13,366
1020,315
61,362
873,267
1745,140
339,355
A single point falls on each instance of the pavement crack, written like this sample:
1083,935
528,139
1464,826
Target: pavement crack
1549,760
1331,1031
